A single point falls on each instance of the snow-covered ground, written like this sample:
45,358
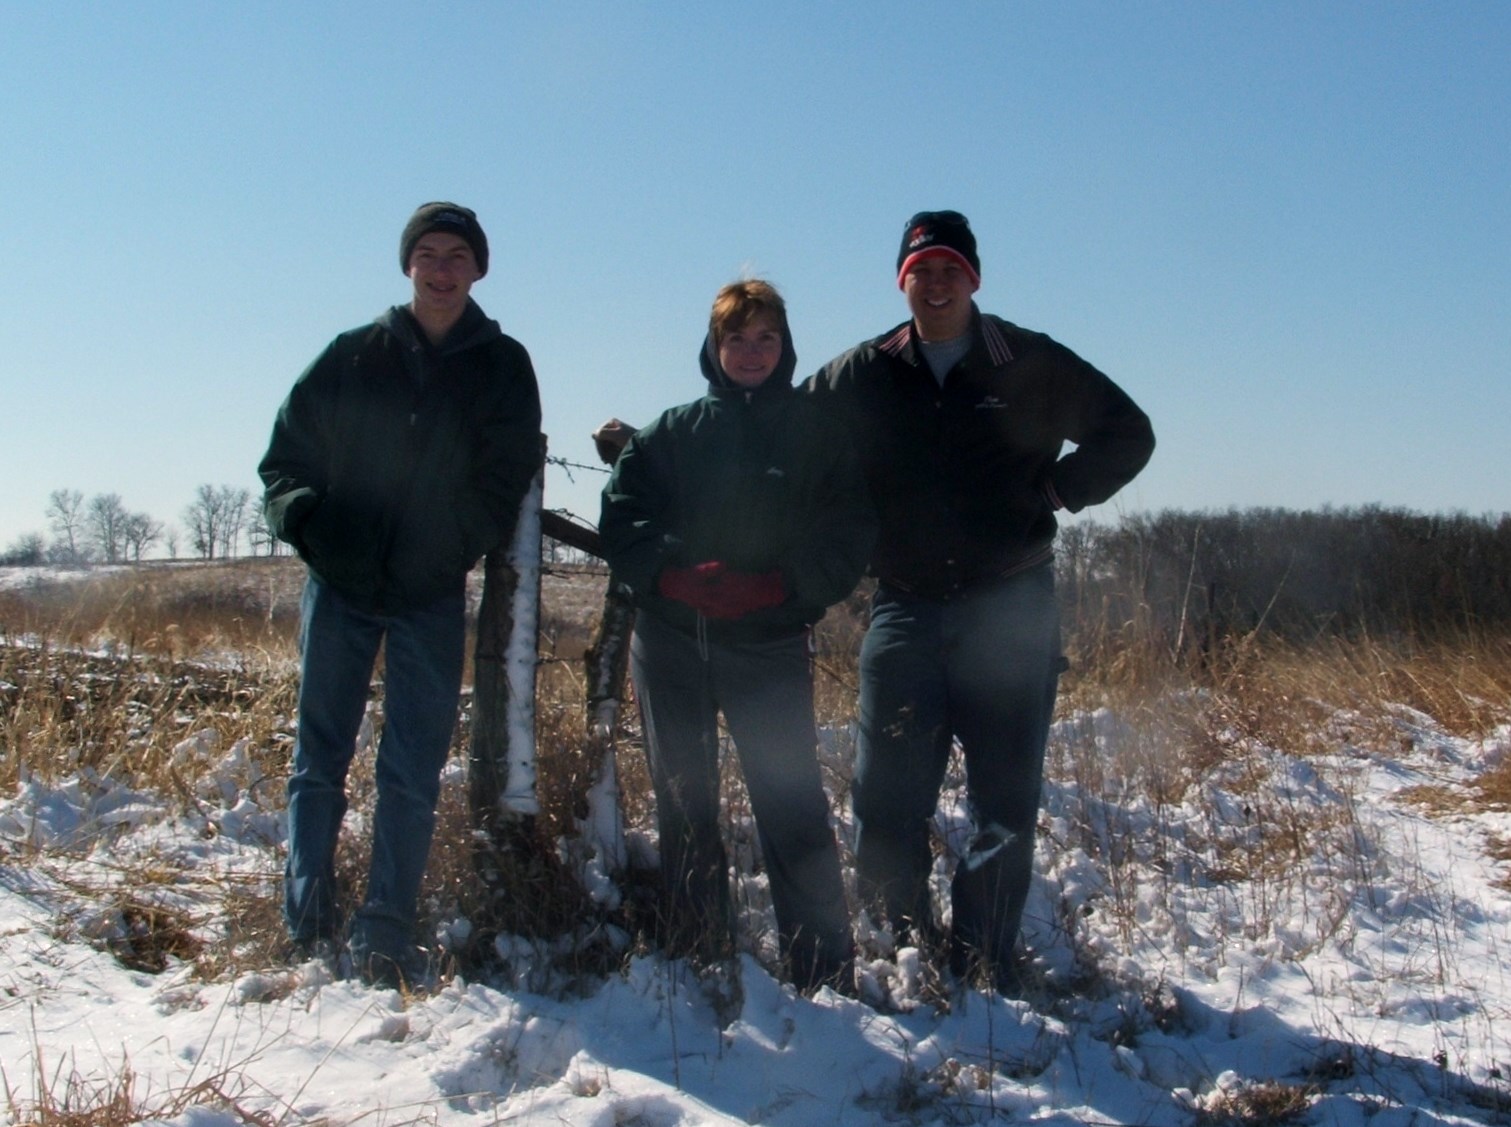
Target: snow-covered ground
1365,984
12,578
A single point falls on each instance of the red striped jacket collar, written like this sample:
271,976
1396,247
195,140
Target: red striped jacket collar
901,341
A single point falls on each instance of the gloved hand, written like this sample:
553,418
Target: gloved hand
743,592
690,585
717,592
611,438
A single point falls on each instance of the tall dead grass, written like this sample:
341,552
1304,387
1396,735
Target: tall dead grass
1258,731
74,1099
147,676
243,611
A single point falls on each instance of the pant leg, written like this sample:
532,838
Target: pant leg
338,645
766,692
1004,662
422,682
902,752
674,690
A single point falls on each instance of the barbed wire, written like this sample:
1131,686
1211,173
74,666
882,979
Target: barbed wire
573,567
569,466
574,517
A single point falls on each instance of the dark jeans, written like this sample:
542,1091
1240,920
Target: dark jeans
421,682
983,667
765,690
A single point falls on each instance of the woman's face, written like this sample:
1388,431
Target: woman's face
750,353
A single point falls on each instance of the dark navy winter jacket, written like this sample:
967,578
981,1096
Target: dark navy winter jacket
758,480
395,465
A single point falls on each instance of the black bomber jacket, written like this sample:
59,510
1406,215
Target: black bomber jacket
967,476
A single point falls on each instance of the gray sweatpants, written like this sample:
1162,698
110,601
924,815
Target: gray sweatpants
765,690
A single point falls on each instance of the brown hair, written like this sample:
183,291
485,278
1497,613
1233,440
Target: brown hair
741,302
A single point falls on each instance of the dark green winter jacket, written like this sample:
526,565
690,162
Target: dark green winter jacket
757,480
967,476
395,465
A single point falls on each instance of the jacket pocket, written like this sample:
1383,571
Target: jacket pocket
342,546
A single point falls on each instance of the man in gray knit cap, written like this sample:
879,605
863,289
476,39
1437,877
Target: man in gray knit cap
400,457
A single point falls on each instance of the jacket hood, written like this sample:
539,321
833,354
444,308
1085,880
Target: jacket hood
474,327
718,379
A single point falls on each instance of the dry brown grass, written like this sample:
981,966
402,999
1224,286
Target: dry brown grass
245,608
148,678
1270,1104
127,717
112,675
72,1099
1241,721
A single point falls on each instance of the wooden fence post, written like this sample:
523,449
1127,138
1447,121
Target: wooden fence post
501,755
607,661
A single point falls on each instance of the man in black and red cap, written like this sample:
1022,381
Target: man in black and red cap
962,419
399,458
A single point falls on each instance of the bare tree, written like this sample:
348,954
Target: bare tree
260,537
235,508
65,516
105,524
26,550
141,533
215,518
170,540
202,521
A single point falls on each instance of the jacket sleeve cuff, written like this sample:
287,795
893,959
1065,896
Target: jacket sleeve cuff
1047,487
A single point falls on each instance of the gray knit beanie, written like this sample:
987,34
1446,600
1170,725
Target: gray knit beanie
451,218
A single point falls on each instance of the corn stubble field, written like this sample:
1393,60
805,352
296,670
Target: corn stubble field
154,677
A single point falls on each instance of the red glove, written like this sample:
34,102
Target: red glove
743,592
716,592
690,585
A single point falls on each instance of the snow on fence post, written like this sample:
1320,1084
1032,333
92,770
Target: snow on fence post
606,665
606,661
501,756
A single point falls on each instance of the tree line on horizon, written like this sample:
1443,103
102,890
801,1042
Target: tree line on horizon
1182,580
1188,582
218,523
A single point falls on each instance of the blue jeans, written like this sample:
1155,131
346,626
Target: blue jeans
765,690
422,678
983,668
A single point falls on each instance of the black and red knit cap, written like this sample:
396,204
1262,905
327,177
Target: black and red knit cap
931,233
451,218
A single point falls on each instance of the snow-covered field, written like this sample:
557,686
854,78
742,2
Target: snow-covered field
1290,939
1380,999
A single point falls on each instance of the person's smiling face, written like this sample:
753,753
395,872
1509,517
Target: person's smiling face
938,288
442,269
750,353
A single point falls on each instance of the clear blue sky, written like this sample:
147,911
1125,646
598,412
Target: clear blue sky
1284,228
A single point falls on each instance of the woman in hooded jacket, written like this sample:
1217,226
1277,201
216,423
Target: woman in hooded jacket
735,521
